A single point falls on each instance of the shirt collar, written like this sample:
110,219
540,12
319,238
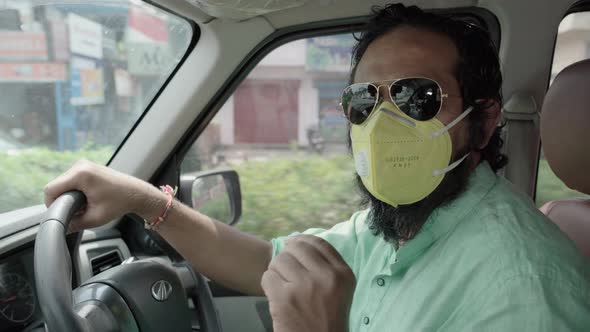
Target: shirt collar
445,218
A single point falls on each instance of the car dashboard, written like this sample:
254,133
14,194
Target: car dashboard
18,297
19,306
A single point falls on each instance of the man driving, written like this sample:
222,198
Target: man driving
445,245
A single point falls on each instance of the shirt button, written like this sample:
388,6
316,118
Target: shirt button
366,320
380,282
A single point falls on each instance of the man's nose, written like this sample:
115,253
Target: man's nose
384,93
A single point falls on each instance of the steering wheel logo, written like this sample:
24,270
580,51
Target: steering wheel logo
161,290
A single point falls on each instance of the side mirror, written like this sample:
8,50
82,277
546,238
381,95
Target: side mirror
215,193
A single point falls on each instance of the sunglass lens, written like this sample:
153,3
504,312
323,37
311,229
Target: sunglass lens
419,98
358,101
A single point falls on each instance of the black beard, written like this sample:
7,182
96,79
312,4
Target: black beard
401,224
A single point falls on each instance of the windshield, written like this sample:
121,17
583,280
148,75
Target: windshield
74,79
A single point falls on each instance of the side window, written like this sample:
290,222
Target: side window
75,76
284,133
572,45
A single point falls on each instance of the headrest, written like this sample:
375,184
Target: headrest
565,126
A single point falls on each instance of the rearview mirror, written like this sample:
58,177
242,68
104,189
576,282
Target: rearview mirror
215,193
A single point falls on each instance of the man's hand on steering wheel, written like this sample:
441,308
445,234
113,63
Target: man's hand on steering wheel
110,194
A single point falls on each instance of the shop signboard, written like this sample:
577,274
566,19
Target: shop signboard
146,27
87,82
32,72
149,59
148,50
18,45
85,36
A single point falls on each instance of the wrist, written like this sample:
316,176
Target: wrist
151,203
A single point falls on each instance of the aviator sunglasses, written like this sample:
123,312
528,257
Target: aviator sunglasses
418,97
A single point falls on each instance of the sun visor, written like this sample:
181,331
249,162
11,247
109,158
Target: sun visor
243,9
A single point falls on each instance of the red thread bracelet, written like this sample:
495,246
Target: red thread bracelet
171,193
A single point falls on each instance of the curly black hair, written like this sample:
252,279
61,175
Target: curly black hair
477,71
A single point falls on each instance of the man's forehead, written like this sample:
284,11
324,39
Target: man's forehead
406,52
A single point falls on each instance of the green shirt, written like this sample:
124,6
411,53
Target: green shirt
488,261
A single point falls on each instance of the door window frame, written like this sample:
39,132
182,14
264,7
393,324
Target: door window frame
172,164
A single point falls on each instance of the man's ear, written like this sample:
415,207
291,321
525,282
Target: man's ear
490,119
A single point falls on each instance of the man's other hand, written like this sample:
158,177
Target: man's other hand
309,287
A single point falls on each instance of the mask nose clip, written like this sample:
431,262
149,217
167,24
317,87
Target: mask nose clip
397,117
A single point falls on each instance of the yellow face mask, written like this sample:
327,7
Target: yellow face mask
401,160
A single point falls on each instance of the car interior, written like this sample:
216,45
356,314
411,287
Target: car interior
206,126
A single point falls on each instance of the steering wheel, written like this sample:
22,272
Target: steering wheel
146,295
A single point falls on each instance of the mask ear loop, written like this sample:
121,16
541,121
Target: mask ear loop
437,133
452,123
449,168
